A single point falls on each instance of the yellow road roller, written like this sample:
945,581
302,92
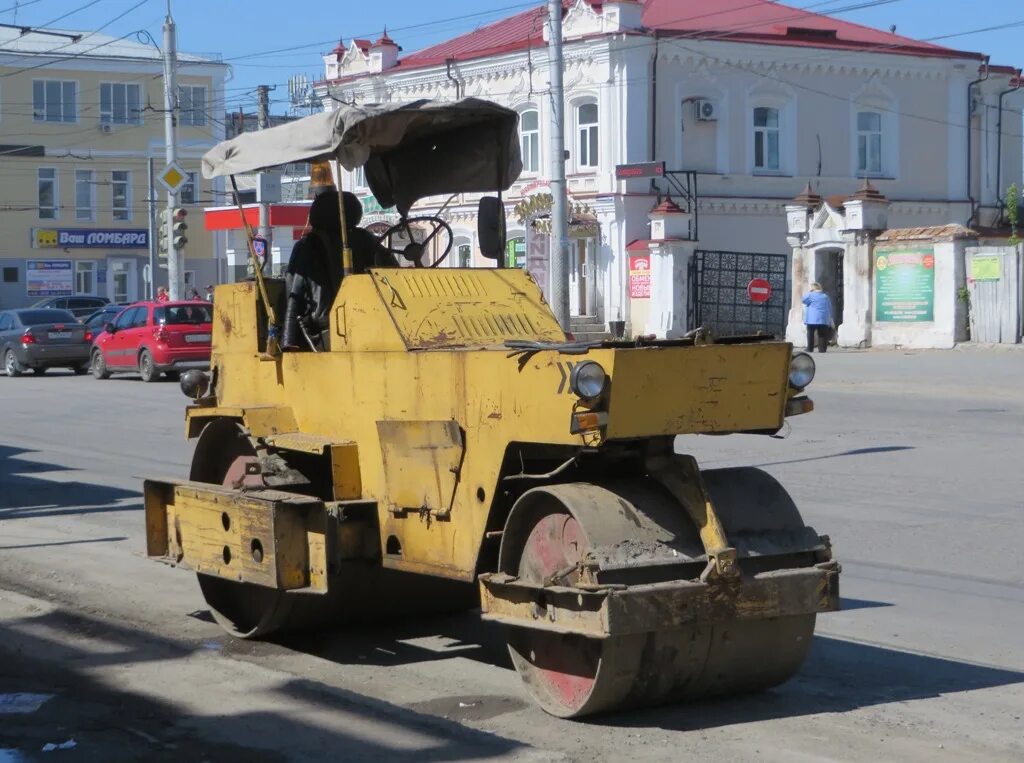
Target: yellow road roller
437,441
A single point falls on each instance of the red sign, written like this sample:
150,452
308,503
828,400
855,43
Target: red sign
640,170
639,276
759,290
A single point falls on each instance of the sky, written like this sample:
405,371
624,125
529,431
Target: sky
246,32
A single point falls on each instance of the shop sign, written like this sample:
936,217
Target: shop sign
49,278
515,253
988,268
639,276
905,284
82,238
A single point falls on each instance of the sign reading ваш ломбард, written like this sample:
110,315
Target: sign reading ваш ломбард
89,238
905,284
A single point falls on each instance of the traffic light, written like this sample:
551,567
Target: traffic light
180,226
161,235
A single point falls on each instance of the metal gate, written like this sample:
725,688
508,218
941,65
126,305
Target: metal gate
718,293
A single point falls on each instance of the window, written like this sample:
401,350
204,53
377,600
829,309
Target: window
124,320
6,323
85,278
121,192
529,138
190,191
360,180
586,123
11,275
766,139
869,143
54,101
47,193
192,106
120,103
85,192
465,256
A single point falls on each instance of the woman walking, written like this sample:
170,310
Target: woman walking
818,317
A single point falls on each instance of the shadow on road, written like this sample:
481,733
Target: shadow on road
283,720
24,495
854,452
839,676
113,539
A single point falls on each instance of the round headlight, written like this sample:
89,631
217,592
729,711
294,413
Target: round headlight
588,379
801,370
195,384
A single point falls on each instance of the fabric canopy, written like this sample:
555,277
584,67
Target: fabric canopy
410,150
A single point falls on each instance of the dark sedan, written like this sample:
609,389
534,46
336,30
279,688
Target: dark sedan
97,320
38,339
79,306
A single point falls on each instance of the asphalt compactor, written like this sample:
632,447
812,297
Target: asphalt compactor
448,445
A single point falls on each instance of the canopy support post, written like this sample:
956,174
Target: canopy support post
346,250
273,347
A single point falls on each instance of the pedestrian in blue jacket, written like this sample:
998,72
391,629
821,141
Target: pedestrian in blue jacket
818,317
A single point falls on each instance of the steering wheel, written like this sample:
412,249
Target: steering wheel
413,252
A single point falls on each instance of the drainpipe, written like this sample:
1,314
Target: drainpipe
448,72
970,88
1016,83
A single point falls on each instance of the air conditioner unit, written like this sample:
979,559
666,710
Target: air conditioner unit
105,128
705,110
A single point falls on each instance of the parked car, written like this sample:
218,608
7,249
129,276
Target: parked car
39,339
79,306
153,338
97,320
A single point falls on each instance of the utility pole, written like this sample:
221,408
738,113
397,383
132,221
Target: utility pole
265,231
151,216
175,271
559,250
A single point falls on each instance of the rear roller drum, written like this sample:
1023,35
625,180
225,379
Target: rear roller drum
222,456
572,675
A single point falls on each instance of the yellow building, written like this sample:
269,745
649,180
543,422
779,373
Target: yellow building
81,116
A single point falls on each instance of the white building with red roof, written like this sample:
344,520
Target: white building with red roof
745,102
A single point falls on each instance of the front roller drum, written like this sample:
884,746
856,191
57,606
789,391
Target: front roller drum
548,542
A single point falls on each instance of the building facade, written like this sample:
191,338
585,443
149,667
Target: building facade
744,105
81,116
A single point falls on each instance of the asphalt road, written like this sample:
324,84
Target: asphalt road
912,464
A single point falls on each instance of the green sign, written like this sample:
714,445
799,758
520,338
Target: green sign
986,268
905,284
515,253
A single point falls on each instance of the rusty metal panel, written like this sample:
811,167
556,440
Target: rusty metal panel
421,463
266,537
439,308
622,610
711,388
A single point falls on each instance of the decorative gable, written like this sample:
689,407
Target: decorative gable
585,18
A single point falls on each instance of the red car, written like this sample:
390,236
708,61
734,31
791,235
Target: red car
151,338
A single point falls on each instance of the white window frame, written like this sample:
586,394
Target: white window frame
92,270
127,208
91,184
870,168
529,141
193,185
880,101
109,116
359,177
592,132
56,192
39,111
192,117
764,132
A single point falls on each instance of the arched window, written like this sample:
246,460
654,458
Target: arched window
869,143
586,127
529,140
766,139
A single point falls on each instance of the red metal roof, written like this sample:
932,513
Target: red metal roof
760,21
